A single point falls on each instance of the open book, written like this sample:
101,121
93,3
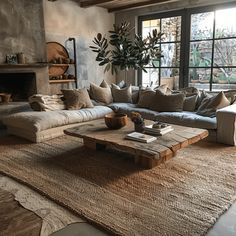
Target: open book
144,138
158,128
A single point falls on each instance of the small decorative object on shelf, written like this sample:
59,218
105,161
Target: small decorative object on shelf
60,64
138,121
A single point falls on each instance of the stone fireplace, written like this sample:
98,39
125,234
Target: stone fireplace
19,85
22,81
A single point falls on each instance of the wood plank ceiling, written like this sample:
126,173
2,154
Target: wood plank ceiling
119,5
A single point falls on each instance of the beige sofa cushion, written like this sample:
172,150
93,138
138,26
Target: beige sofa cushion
76,98
39,121
210,105
190,103
147,95
172,103
101,94
121,94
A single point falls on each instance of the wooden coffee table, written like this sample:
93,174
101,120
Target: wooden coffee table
96,135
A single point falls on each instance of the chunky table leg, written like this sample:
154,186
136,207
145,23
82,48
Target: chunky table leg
93,145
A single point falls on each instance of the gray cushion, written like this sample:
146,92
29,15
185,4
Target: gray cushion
187,118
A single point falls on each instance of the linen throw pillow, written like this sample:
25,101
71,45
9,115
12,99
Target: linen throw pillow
190,103
76,98
147,96
162,102
101,94
209,106
121,94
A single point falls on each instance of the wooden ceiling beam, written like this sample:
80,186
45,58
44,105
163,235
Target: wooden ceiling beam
90,3
137,5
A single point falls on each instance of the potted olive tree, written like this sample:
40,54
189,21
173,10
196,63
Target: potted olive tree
122,53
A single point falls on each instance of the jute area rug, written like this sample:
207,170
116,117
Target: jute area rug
184,196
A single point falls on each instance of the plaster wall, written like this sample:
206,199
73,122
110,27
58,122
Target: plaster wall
64,19
131,16
22,29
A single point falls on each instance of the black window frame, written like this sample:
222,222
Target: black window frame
185,38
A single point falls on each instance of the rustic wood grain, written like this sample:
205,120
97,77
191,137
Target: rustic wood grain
97,136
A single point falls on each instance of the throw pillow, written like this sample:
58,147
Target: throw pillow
76,98
104,84
101,94
121,94
231,95
190,103
209,106
172,103
145,98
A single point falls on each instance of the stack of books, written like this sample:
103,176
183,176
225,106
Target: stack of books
158,129
144,138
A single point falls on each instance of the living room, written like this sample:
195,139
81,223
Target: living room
65,188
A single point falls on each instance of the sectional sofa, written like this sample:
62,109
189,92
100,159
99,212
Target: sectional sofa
40,126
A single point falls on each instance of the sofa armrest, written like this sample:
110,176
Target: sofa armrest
226,125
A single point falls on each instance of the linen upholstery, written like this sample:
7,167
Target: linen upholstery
226,125
210,105
186,118
121,94
162,102
101,94
38,121
40,102
190,103
76,98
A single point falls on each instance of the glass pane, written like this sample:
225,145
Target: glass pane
202,25
155,23
149,25
224,75
146,23
200,54
151,77
171,54
170,76
171,27
225,23
225,52
199,76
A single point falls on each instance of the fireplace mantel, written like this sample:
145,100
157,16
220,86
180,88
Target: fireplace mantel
31,65
40,70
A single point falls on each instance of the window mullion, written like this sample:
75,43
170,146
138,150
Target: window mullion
213,50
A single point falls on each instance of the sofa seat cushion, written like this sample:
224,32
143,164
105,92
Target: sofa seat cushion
127,108
39,121
184,118
187,118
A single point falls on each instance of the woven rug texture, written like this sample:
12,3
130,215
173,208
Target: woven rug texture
184,196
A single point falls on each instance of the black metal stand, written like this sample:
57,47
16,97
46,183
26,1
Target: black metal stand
75,59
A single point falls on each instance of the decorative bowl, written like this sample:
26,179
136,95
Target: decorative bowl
116,120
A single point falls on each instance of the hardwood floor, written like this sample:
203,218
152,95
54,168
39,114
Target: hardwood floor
16,220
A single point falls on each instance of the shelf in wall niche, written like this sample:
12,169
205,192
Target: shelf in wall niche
59,65
30,65
61,81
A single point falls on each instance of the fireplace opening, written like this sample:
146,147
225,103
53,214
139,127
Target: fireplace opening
19,85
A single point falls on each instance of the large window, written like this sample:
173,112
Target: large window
199,48
167,70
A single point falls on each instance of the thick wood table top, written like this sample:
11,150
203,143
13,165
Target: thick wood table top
161,149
